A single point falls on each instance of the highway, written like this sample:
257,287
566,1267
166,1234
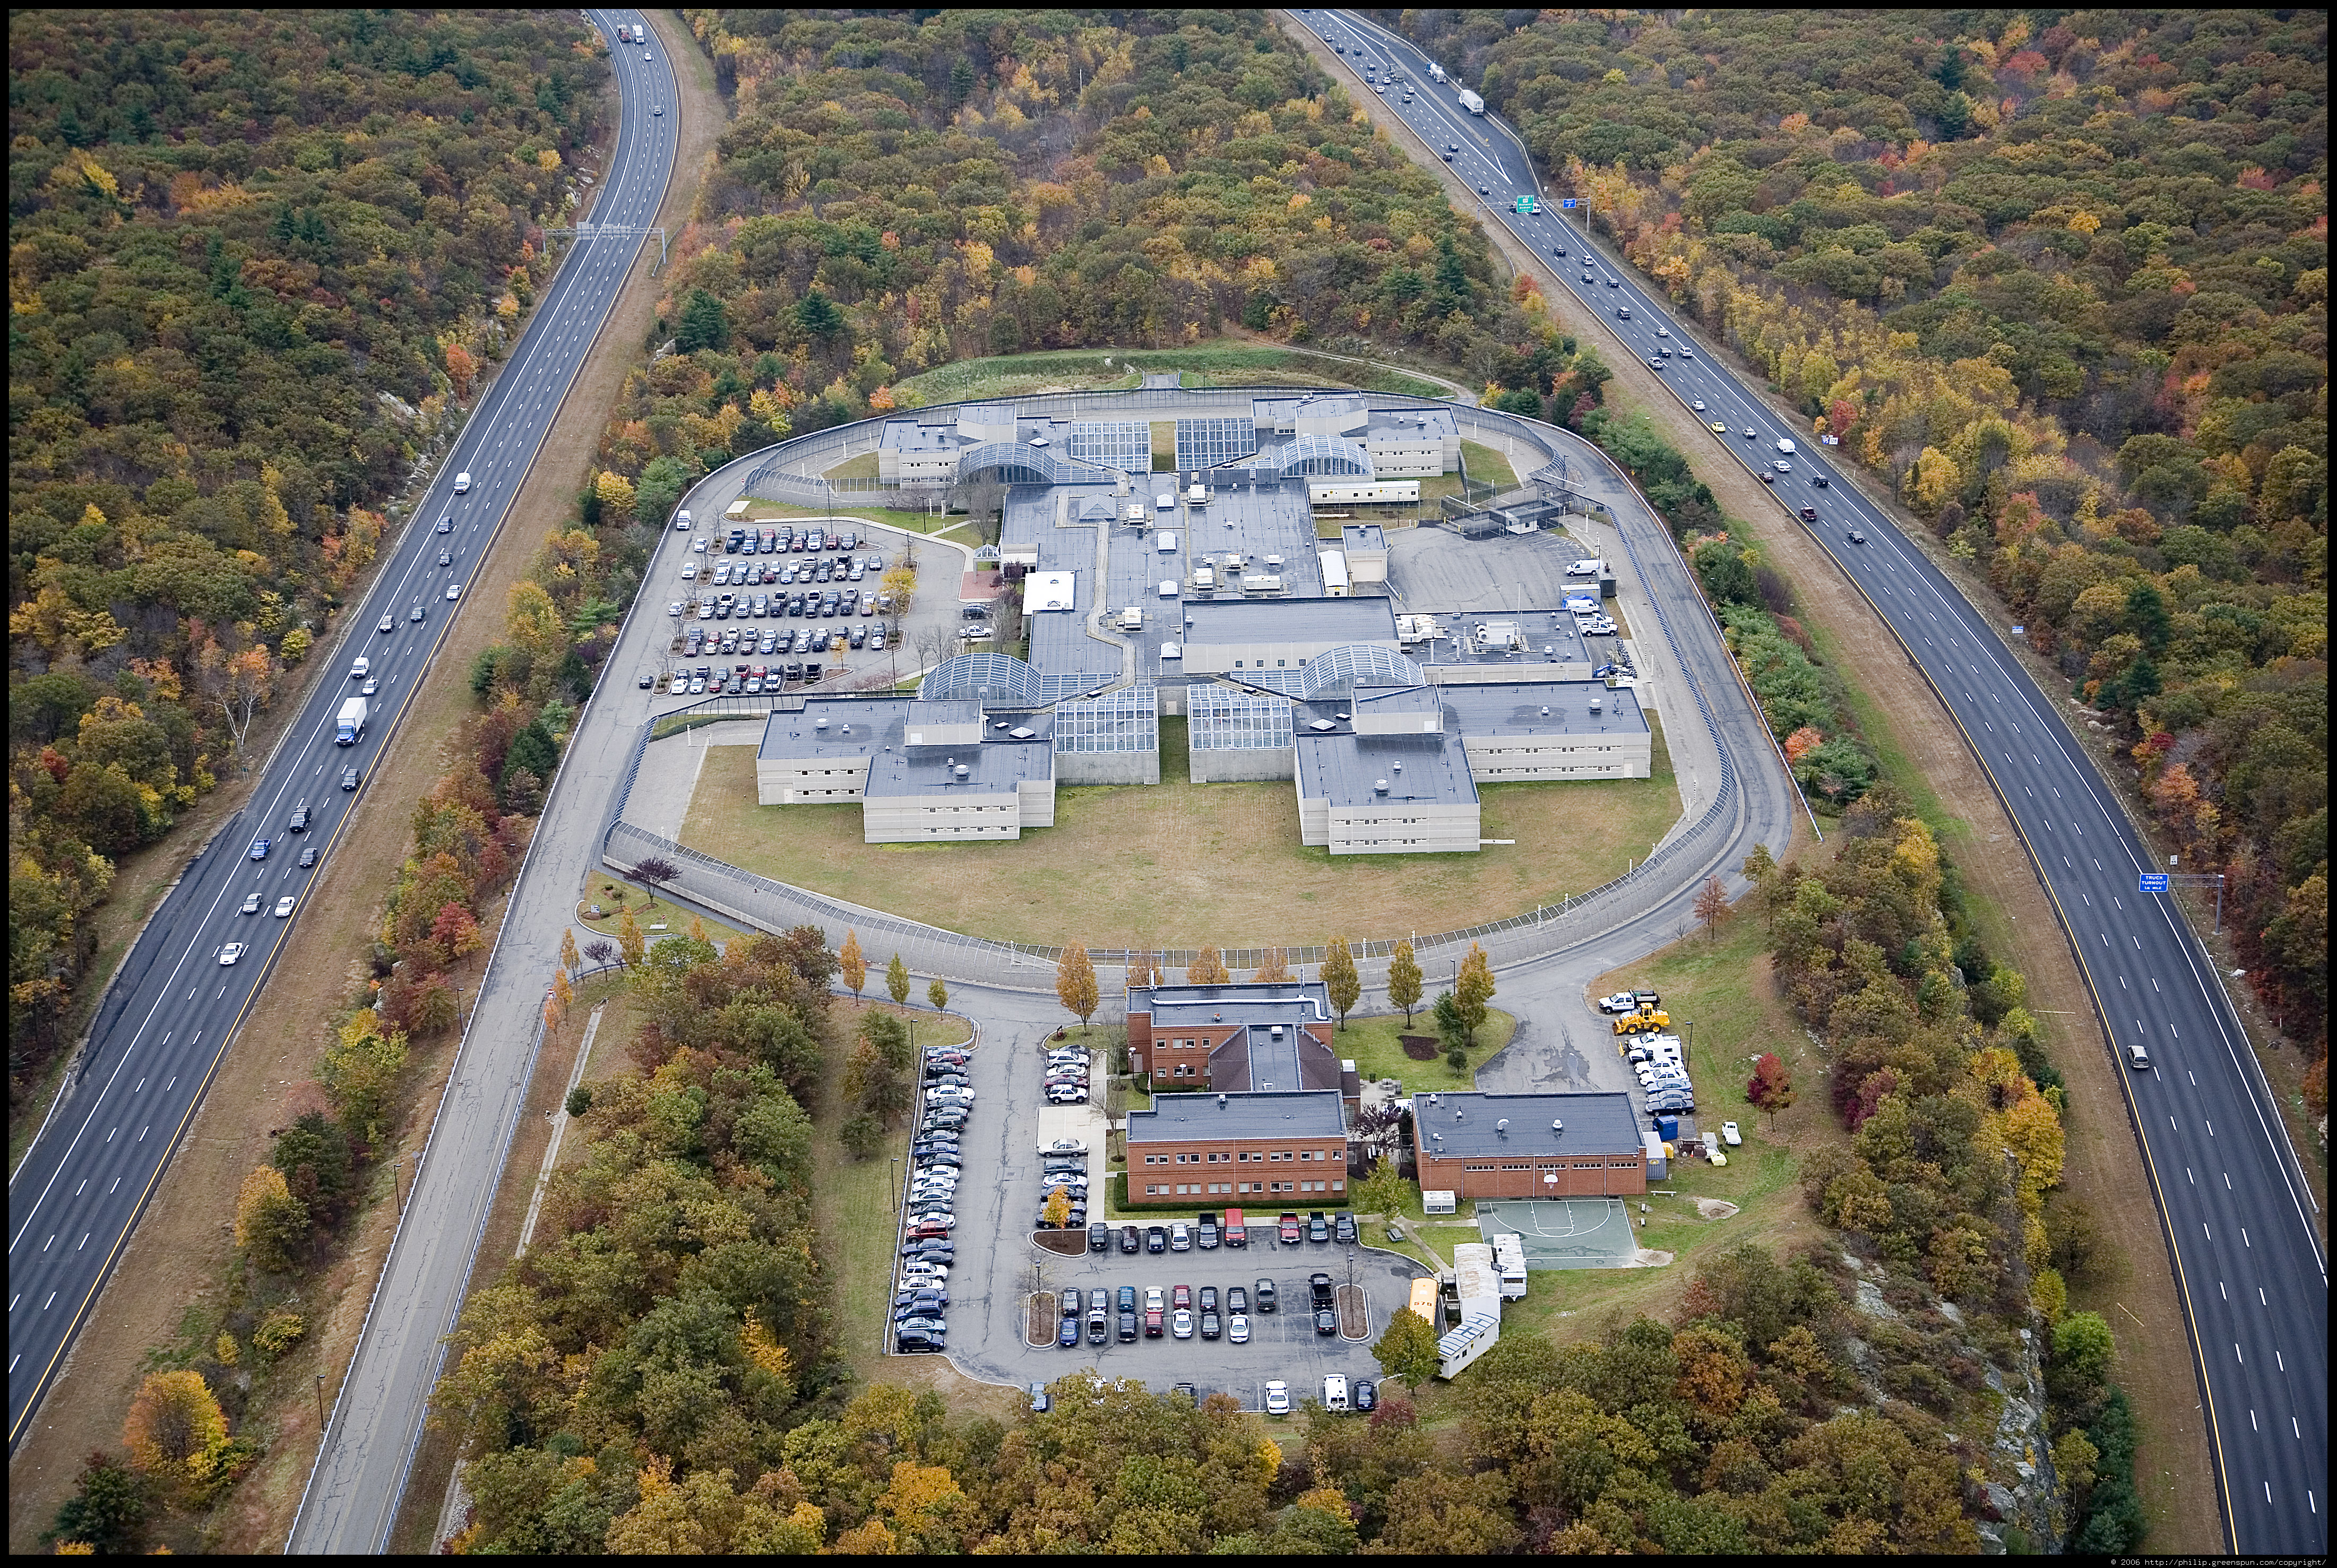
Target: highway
2238,1212
176,1006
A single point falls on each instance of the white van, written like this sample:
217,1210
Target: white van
681,519
462,484
1334,1392
1786,445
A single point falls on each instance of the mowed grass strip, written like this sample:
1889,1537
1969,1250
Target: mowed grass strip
1177,865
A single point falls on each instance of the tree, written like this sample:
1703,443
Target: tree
1272,965
896,980
602,951
1772,1087
107,1514
1057,1212
1404,981
237,684
1384,1191
817,315
360,1072
1408,1349
1473,990
851,964
704,324
899,584
937,994
616,493
175,1427
654,873
568,958
458,934
1712,906
1075,983
630,940
1340,979
1208,968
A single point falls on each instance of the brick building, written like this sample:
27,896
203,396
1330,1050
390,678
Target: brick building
1193,1035
1529,1145
1211,1151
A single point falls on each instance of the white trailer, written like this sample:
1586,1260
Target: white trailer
1335,572
1472,102
349,729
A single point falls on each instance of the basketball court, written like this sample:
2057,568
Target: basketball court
1564,1232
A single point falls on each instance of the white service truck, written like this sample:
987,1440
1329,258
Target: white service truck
1472,102
350,727
1786,445
1435,72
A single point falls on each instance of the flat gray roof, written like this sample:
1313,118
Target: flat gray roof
1255,1061
1185,1118
876,727
1362,536
1346,769
916,436
1333,621
856,726
1537,630
1469,1123
1239,1002
1516,708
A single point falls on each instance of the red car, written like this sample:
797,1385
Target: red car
1180,1297
1290,1230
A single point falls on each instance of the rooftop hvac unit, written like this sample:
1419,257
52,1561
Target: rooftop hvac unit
1275,1033
963,770
1221,1102
1399,766
1459,1116
1545,711
1556,1125
1381,786
1503,1125
820,723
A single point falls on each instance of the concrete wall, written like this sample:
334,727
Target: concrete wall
1401,827
945,817
1516,759
1534,669
822,781
1106,767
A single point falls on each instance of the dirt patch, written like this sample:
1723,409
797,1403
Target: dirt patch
1039,1323
1354,1312
1420,1047
265,1079
1714,1209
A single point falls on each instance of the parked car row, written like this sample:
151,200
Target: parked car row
1338,1396
1064,1170
1067,1076
1173,1311
920,1322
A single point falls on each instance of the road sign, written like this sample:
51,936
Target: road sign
1566,202
2154,881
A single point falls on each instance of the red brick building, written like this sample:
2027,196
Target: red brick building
1200,1035
1529,1145
1213,1150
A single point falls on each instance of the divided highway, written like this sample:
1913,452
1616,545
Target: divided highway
2238,1210
190,981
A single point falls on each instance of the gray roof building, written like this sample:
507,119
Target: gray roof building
1469,1123
1263,1058
1245,1001
1195,1118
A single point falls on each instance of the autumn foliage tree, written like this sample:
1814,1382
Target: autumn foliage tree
852,965
271,1226
175,1428
1339,977
1208,968
1075,982
1405,980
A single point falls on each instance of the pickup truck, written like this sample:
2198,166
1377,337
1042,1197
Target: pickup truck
1290,1231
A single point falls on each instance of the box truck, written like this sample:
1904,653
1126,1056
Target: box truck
1472,102
352,723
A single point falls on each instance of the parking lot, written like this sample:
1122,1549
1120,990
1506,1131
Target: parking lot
995,1265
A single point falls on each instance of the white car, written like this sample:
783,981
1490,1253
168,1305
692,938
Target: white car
1663,331
952,1092
1698,405
1621,1002
284,906
388,623
674,608
658,109
1277,1398
230,953
250,903
1784,466
454,590
1180,1324
462,484
1730,1135
690,571
1238,1328
697,544
1750,434
370,686
1066,1095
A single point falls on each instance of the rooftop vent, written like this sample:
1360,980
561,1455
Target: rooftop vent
1275,1033
1399,766
1321,724
821,723
1433,1100
1221,1102
1545,709
1459,1115
963,770
1503,1126
1022,734
1381,786
1556,1125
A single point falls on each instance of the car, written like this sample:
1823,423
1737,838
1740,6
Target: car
1663,331
1127,1326
415,614
658,109
1767,477
920,1343
1751,434
308,857
1620,1001
1317,1230
1155,1322
2137,1058
1784,467
1857,537
1614,283
284,906
1809,514
1484,191
1180,1324
1343,1228
447,523
445,557
1066,1095
371,684
358,667
454,592
1277,1398
1211,1328
1264,1290
1067,1337
1041,1403
1821,481
1730,1135
261,846
1180,1296
462,484
1655,364
1364,1394
1207,1300
250,903
1697,404
1719,428
1289,1228
922,1325
348,777
1131,1239
388,623
1155,1238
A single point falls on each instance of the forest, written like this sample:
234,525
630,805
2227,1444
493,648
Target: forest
2063,287
257,262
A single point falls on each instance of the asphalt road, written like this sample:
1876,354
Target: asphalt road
376,1416
174,1008
2237,1209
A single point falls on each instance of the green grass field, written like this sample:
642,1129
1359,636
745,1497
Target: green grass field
1372,1043
1177,865
1200,366
1486,467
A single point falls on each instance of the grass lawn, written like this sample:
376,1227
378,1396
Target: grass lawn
1486,467
762,511
1201,366
1178,864
1372,1044
861,467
